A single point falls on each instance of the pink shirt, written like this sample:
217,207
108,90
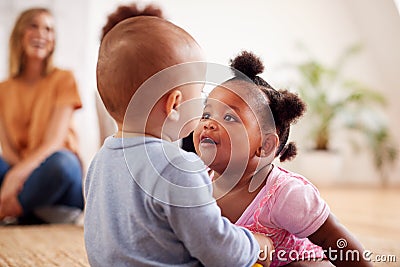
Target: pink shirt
287,209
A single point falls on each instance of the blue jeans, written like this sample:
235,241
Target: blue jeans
57,181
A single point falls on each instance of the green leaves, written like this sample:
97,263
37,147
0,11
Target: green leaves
330,97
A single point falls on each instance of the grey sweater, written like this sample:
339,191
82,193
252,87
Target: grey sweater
149,203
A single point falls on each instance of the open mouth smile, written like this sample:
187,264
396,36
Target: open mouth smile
207,140
38,43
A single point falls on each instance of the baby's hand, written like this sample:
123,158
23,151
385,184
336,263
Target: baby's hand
266,247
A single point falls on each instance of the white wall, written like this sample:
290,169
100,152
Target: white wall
270,28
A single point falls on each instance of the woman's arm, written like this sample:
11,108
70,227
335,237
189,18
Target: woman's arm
8,152
17,175
339,245
54,138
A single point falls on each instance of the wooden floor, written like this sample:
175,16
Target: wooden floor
373,215
42,246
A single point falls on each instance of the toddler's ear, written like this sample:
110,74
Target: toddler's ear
270,144
174,99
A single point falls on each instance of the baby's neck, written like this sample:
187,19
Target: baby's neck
252,178
124,134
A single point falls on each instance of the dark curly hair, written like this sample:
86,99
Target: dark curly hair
286,107
129,11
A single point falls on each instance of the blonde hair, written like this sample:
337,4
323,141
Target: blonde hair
16,55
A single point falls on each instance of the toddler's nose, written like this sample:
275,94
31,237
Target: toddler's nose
210,125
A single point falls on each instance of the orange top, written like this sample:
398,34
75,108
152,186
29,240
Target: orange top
26,110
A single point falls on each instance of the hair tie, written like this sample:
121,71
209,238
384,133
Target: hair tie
284,149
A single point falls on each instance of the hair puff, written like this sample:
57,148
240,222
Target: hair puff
289,152
247,63
290,107
129,11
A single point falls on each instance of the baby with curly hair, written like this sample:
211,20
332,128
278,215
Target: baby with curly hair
245,125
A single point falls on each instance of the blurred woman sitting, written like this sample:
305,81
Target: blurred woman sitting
39,163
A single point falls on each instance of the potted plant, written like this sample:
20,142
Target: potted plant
334,100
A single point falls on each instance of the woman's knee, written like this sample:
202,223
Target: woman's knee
4,167
63,164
